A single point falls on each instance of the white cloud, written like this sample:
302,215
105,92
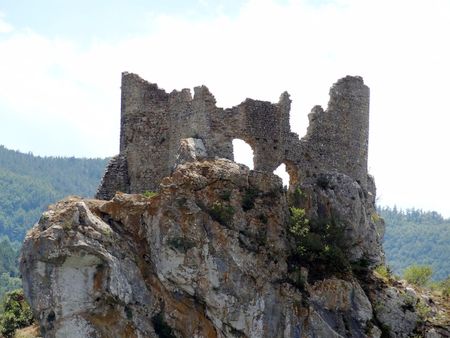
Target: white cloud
399,47
4,26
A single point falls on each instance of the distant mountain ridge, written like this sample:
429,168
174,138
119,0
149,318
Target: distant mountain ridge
29,183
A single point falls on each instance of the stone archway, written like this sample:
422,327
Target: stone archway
243,153
288,172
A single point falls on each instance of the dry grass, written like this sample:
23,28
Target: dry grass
28,332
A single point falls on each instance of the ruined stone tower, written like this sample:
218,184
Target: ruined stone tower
154,122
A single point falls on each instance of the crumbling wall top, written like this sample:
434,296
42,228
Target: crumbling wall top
154,122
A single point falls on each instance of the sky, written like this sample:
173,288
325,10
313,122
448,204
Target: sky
61,64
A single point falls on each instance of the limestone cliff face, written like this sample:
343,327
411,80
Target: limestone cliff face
212,255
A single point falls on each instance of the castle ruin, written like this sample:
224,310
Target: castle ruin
154,122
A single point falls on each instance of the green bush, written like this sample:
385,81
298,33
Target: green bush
441,287
299,228
299,222
149,194
445,287
384,271
318,242
297,197
221,213
248,200
16,313
423,310
375,217
418,275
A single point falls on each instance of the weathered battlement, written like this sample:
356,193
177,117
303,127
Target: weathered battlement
154,122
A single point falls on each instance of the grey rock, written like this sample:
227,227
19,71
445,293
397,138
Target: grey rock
344,303
395,310
190,150
344,203
191,255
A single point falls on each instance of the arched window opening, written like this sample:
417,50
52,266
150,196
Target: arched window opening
281,172
243,153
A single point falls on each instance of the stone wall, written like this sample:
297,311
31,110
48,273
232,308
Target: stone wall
154,122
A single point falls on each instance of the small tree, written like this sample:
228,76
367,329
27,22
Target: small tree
445,287
418,274
17,313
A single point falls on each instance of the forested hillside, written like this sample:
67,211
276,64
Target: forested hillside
417,237
28,184
9,271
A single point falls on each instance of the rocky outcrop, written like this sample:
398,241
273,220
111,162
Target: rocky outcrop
336,198
209,256
190,150
205,247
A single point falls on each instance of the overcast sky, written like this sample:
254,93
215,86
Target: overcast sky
61,63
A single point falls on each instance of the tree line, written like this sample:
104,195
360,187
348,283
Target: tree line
28,184
418,237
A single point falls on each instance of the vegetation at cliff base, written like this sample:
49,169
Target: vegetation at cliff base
15,313
443,287
418,274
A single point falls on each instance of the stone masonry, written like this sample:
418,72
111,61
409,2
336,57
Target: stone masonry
154,122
